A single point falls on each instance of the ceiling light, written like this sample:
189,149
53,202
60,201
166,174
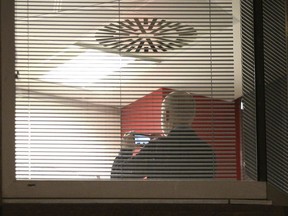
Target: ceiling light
88,67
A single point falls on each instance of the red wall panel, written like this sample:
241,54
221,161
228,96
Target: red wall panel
144,115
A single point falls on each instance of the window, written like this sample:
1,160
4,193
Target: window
89,72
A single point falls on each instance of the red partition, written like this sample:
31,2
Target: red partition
144,114
216,121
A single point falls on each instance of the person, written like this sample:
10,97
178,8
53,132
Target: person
179,154
126,153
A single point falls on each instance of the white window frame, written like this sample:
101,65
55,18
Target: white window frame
120,191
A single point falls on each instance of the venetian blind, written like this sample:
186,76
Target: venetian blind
89,72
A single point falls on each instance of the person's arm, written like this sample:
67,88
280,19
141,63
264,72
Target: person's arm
119,167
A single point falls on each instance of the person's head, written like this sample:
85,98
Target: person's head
178,109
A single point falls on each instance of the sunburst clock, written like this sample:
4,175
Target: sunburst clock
145,35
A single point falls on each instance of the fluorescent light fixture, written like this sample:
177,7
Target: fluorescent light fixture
86,68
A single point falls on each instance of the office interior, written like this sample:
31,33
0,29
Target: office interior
100,70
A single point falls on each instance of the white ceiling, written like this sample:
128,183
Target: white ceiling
58,53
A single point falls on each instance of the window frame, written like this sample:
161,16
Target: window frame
132,191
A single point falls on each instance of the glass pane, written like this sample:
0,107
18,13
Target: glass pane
145,89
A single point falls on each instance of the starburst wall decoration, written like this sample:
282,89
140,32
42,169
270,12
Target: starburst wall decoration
145,35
